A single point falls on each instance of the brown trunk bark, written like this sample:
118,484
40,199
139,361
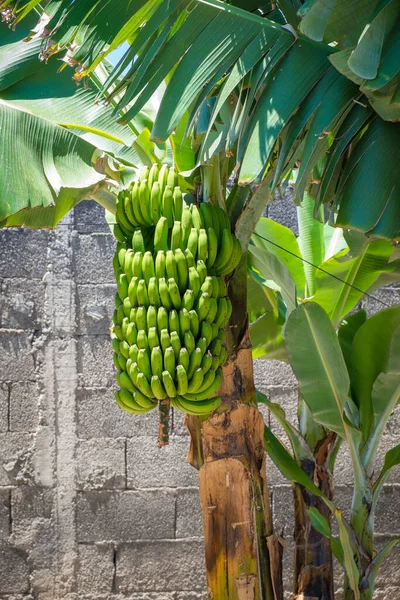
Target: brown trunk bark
313,576
242,555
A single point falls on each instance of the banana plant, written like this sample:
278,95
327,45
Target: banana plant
335,271
357,369
222,74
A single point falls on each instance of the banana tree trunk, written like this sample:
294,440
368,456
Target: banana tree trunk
243,558
313,576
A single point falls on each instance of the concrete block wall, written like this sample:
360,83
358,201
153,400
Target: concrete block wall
90,508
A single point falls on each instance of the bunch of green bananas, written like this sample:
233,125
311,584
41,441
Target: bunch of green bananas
172,305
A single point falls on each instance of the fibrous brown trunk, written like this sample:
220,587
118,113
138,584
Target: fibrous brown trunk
313,576
242,555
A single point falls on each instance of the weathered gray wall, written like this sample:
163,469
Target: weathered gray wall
90,508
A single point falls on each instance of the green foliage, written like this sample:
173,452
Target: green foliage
372,351
242,64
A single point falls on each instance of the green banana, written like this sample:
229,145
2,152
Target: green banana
182,269
144,202
212,247
175,343
158,388
169,384
156,361
161,235
194,323
137,265
122,286
160,265
194,362
196,381
153,338
176,235
192,243
178,203
138,241
184,320
163,177
164,294
168,205
202,247
188,300
209,392
148,266
169,360
153,176
183,358
194,281
151,317
197,219
162,319
142,341
165,339
142,295
181,380
174,293
225,251
189,341
141,318
202,271
152,291
144,363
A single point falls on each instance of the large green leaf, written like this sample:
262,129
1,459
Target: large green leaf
37,171
197,45
342,281
315,356
371,356
37,87
385,396
281,241
311,241
266,338
275,273
346,334
369,189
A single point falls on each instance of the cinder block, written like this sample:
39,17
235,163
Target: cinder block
21,303
24,252
387,512
14,572
101,464
162,566
4,397
16,357
30,502
95,306
93,256
272,373
5,514
24,409
95,569
177,422
191,596
95,362
282,506
125,516
100,416
189,519
150,466
16,459
89,218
